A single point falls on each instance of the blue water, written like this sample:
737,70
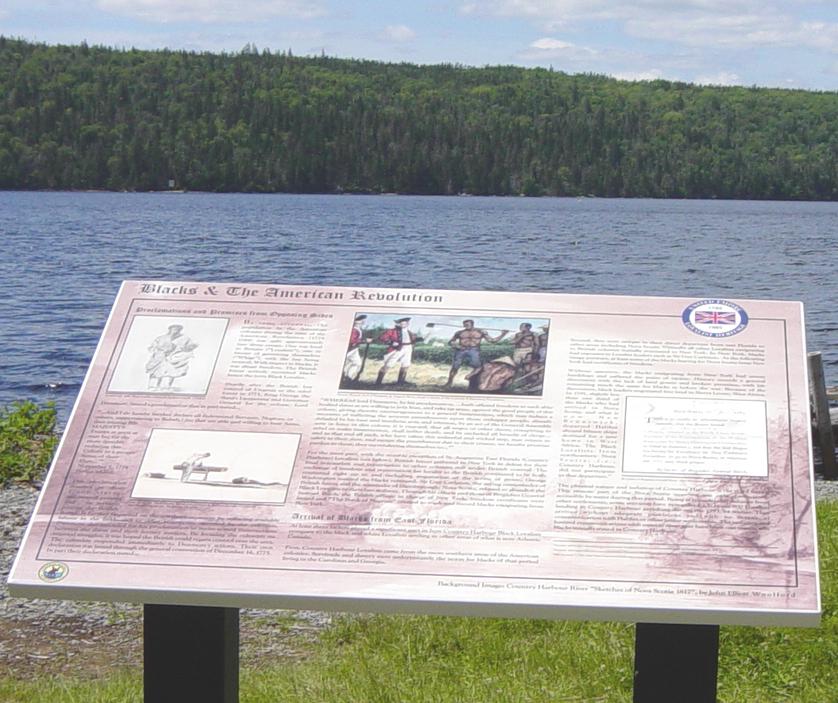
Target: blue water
64,255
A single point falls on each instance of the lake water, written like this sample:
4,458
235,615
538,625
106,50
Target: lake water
64,255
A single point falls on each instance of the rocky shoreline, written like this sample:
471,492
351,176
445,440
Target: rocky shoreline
89,639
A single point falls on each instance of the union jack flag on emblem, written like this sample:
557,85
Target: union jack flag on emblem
715,318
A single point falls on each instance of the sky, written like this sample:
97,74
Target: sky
778,43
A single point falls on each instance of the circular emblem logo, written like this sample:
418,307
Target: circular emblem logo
715,318
53,571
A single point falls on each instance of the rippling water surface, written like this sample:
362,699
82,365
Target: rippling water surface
64,255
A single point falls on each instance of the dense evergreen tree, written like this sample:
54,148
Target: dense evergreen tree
91,117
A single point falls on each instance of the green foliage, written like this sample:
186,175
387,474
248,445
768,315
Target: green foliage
445,355
27,441
434,355
91,117
440,355
119,687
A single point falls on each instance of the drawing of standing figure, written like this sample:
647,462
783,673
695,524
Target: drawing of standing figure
353,365
524,343
170,357
541,343
399,341
466,345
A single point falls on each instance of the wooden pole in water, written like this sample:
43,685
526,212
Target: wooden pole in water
823,423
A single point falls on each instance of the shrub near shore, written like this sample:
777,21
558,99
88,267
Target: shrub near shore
27,441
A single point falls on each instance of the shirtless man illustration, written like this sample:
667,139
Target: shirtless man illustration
466,345
524,343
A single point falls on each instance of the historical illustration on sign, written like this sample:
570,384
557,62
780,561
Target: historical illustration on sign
444,353
218,466
168,355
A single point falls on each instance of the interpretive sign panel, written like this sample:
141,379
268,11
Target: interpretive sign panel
543,455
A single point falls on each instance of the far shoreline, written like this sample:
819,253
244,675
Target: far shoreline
189,191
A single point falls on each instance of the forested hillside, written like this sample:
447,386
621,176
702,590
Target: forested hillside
89,117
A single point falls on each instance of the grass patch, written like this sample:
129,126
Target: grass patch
788,664
390,659
121,687
395,659
27,441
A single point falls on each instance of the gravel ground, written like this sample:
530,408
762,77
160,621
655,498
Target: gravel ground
90,639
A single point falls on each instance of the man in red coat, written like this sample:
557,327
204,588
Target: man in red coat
353,363
399,341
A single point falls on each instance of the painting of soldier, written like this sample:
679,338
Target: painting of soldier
400,342
431,353
353,364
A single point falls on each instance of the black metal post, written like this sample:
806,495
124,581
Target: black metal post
823,422
190,654
675,663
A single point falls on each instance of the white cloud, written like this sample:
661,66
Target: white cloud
18,6
821,35
622,63
651,74
710,23
210,11
551,44
737,31
399,33
721,78
550,48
